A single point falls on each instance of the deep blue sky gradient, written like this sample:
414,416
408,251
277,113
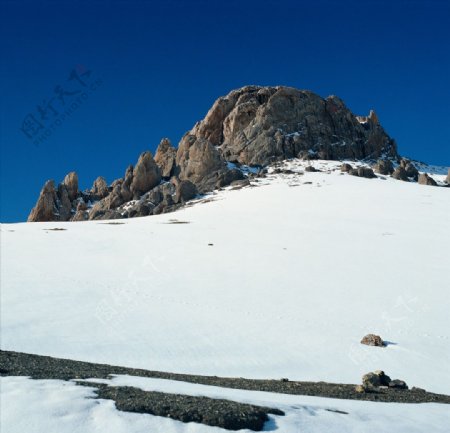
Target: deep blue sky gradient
163,63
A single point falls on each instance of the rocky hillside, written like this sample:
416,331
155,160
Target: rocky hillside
252,126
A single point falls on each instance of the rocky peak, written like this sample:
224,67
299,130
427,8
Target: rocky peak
259,125
99,188
253,125
45,209
165,158
71,184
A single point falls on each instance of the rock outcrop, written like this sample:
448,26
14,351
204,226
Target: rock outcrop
46,208
199,161
345,168
366,172
375,379
384,167
259,125
71,184
372,381
400,174
145,176
424,179
165,158
410,169
99,189
253,125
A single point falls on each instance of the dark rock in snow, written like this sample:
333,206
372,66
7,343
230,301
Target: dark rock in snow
375,379
410,169
384,166
397,383
363,172
424,179
311,169
400,174
345,168
372,340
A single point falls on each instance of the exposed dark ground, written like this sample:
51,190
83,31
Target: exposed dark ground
46,367
226,414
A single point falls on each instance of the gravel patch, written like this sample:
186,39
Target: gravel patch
226,414
45,367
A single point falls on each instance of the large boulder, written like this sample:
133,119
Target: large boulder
424,179
372,340
400,174
345,168
146,174
384,166
366,172
258,125
165,158
398,384
375,379
410,169
197,159
311,169
185,191
46,207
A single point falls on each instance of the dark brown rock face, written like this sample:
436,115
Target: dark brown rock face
71,184
99,189
363,172
384,166
375,379
45,209
345,168
198,159
259,125
185,190
400,174
146,175
424,179
410,169
63,203
165,157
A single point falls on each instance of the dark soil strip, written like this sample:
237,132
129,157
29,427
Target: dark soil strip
226,414
45,367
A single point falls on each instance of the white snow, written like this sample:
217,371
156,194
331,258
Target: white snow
54,406
300,269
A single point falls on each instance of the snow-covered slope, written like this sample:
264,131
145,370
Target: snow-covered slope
280,280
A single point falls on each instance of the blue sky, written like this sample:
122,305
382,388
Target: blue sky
150,69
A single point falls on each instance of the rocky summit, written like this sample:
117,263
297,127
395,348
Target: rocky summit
252,126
